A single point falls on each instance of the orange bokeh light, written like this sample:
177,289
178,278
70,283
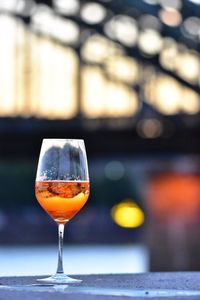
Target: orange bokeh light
174,196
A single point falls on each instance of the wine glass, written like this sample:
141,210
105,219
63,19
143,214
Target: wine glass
62,188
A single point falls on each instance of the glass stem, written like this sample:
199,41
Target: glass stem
61,228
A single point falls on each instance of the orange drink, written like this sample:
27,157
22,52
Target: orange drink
62,199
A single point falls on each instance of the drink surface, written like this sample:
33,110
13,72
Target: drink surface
62,199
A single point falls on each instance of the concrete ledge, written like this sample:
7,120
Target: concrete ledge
172,285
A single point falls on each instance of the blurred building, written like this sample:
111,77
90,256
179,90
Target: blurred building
127,69
123,75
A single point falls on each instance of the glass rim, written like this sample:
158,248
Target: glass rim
60,139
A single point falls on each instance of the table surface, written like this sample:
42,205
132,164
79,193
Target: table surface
171,285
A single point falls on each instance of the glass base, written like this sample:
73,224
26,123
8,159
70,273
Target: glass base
59,279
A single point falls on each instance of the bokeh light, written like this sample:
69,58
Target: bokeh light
149,22
98,48
43,19
109,98
114,170
188,66
175,196
176,4
170,17
191,27
93,13
168,94
127,214
169,97
122,28
66,31
123,68
191,102
195,1
8,5
69,7
169,54
149,128
151,2
25,8
150,42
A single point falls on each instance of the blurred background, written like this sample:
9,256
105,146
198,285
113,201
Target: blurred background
124,75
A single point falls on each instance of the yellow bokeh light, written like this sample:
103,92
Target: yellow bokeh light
191,102
123,68
165,94
169,54
188,66
8,30
127,214
170,97
108,99
150,41
32,82
97,49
